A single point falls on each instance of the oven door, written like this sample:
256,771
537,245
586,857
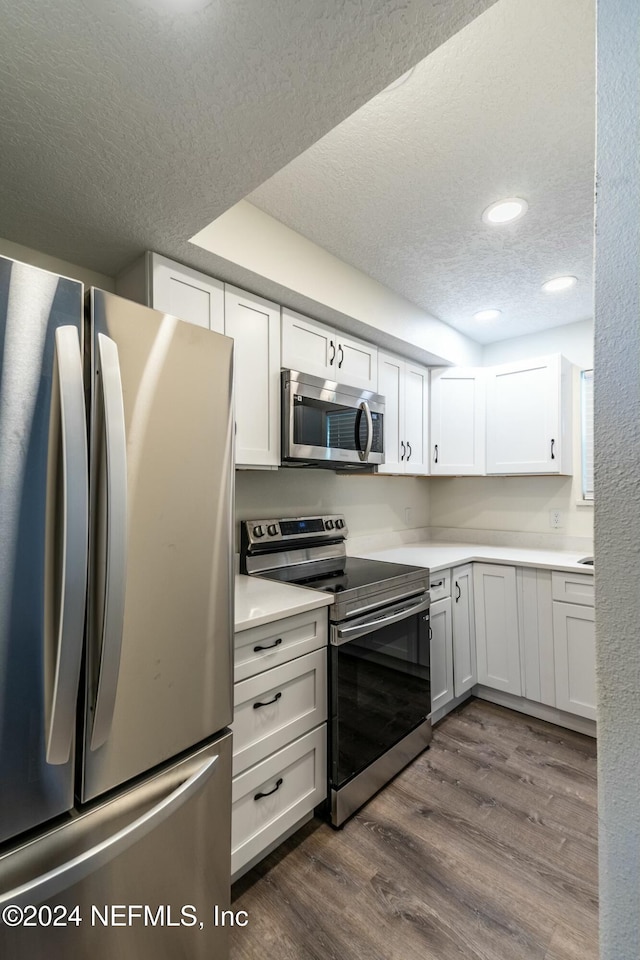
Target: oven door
325,422
380,685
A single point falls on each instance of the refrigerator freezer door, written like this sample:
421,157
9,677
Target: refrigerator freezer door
158,676
144,871
43,541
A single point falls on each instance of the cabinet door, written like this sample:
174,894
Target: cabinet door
457,421
416,419
308,346
391,386
356,363
523,417
254,325
464,633
575,658
187,294
497,638
441,654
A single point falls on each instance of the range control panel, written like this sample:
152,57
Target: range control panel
293,530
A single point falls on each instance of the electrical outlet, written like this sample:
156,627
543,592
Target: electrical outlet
407,515
555,519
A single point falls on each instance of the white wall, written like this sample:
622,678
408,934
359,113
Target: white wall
523,503
617,489
371,504
261,244
15,251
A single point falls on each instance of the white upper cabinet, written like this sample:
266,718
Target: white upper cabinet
254,324
529,417
312,347
405,389
458,421
185,293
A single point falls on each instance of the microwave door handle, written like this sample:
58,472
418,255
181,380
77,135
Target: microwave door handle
75,520
364,454
344,634
116,559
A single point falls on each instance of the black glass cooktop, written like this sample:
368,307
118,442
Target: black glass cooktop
345,573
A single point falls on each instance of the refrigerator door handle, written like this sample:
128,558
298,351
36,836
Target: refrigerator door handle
61,878
116,537
75,514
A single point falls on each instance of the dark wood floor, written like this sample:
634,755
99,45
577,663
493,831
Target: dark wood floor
485,848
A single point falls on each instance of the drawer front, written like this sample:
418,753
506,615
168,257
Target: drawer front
295,779
261,648
274,707
573,588
440,585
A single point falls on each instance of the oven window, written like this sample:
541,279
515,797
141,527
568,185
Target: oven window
332,426
380,691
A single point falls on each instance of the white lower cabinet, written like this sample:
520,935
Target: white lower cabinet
441,645
464,630
574,644
497,635
279,732
272,796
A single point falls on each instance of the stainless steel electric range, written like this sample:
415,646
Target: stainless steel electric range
379,678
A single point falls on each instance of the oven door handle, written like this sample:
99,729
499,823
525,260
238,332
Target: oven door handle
340,635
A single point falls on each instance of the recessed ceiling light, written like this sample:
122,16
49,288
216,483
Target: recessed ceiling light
484,315
505,211
559,283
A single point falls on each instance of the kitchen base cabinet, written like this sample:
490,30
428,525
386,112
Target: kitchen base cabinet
535,614
441,644
272,796
497,635
279,732
465,669
575,658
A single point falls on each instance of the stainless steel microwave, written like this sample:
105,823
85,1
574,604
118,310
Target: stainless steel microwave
327,424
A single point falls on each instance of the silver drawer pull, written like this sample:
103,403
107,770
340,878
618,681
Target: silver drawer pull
266,703
268,793
268,646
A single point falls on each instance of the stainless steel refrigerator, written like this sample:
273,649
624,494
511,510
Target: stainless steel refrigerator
116,615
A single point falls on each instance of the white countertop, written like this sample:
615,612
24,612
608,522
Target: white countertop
440,555
264,601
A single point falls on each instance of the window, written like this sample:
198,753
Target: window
586,404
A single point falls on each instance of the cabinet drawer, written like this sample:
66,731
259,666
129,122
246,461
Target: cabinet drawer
278,642
440,585
274,707
573,587
295,779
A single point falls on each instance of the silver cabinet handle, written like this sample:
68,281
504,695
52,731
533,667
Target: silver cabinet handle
55,881
342,635
116,560
75,521
364,408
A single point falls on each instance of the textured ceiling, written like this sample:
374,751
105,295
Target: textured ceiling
505,108
129,124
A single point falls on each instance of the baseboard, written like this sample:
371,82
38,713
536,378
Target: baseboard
539,710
